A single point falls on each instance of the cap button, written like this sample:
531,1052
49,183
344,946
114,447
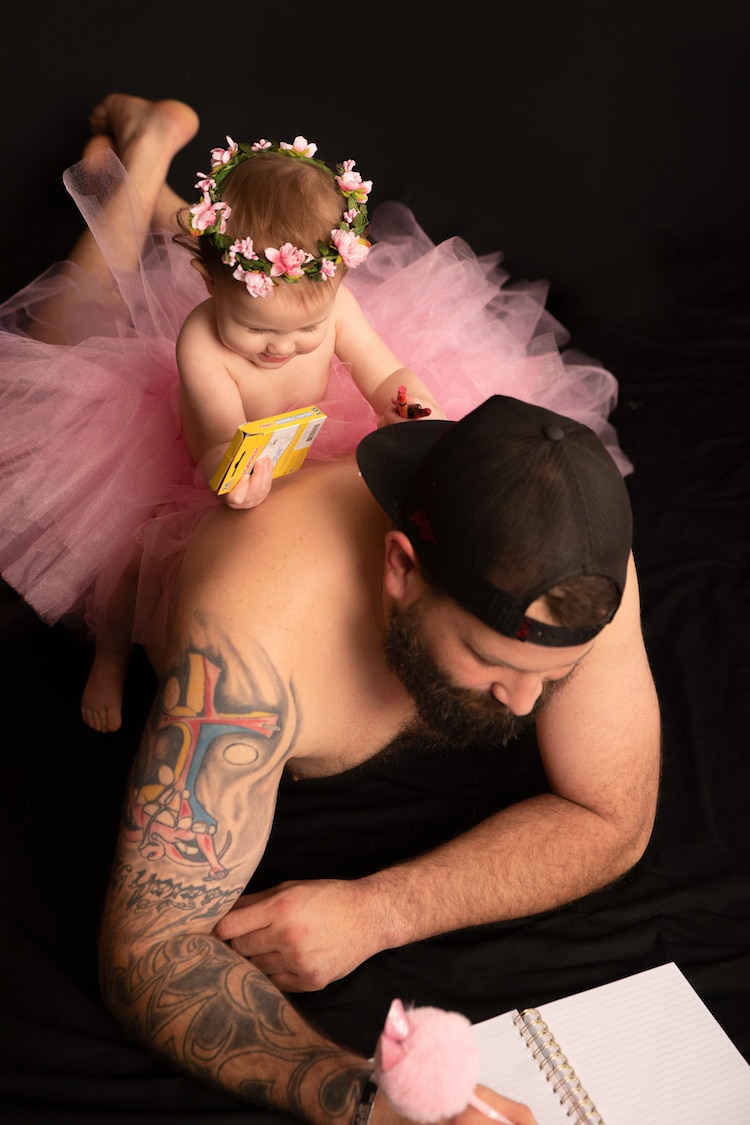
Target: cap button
554,433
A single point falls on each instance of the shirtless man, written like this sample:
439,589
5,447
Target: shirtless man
454,580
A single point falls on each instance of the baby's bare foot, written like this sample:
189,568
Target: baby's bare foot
98,143
101,704
136,125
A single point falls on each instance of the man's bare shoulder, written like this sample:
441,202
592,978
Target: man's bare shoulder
600,735
306,535
293,589
328,492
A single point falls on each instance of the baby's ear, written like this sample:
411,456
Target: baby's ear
197,264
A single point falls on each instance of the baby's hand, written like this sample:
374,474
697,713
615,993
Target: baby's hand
404,409
413,411
251,490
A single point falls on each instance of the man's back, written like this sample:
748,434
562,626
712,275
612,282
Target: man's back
293,589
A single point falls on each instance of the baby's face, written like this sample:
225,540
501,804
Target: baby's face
269,331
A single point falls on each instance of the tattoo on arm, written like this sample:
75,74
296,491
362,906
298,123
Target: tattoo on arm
217,1017
208,770
168,815
146,894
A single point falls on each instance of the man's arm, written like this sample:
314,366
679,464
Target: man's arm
600,744
195,821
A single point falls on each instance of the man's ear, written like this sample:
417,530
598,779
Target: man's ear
197,264
402,570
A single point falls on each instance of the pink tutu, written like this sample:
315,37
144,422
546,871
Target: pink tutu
93,464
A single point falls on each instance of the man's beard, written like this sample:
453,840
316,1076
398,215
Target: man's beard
459,716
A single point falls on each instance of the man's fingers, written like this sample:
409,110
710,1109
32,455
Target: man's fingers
251,945
245,921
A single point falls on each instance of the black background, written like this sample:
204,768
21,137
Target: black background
602,146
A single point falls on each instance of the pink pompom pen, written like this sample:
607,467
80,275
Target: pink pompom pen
427,1065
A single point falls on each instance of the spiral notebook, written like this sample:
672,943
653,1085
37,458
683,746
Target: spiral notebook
644,1050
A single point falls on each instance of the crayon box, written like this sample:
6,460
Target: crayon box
285,438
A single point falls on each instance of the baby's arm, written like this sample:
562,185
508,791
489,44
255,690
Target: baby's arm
212,407
376,371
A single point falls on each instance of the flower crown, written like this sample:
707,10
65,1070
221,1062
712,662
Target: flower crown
287,262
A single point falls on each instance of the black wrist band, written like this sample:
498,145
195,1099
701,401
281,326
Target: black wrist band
364,1107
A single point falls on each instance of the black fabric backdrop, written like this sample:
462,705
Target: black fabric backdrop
601,146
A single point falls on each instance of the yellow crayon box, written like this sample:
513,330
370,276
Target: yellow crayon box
285,438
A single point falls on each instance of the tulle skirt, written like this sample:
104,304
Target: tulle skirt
93,468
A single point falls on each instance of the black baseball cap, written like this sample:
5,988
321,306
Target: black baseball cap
504,505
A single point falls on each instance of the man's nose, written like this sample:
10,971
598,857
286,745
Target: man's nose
519,693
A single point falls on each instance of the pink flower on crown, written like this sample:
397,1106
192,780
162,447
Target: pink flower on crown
260,145
353,250
243,246
207,214
205,183
327,268
256,282
287,260
221,156
301,146
351,183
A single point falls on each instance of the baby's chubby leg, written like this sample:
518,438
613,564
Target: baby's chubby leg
101,703
146,136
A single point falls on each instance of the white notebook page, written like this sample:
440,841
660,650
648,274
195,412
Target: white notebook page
646,1050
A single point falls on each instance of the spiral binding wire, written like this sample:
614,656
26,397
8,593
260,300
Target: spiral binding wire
556,1069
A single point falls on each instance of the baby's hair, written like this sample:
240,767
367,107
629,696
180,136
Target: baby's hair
274,199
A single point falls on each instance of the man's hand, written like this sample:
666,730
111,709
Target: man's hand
302,935
514,1112
507,1110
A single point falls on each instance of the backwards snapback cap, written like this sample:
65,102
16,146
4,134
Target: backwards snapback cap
502,506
